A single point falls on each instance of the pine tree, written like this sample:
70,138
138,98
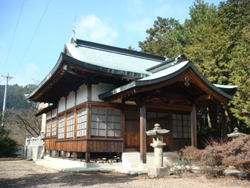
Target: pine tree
235,21
165,38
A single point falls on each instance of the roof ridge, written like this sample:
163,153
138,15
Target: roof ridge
124,51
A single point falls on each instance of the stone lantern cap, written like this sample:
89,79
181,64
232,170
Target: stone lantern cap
235,133
157,131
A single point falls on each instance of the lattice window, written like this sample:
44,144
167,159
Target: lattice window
105,122
70,125
81,122
181,126
113,122
53,127
98,122
61,127
48,128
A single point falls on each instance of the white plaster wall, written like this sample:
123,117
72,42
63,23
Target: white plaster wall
54,113
100,88
43,123
48,115
81,95
70,100
61,104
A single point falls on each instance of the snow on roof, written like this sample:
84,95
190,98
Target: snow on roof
226,86
166,71
164,75
111,59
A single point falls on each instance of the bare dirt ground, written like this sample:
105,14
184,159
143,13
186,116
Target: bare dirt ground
22,173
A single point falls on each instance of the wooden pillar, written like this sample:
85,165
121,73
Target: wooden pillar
75,117
75,124
87,157
88,108
123,124
88,131
123,131
74,155
193,127
143,147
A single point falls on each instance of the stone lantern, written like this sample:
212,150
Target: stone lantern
235,133
158,144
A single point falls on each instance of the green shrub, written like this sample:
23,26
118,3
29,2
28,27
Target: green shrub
8,147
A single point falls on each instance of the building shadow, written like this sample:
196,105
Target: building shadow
66,179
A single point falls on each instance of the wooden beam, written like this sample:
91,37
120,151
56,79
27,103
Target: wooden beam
143,148
199,83
170,107
203,98
193,127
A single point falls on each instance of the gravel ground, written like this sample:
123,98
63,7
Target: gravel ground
22,173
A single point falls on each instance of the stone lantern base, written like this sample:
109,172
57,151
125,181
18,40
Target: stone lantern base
158,172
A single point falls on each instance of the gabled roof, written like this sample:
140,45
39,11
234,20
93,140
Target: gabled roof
118,63
112,57
165,75
84,61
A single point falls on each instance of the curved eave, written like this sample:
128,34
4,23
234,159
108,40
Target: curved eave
229,89
65,58
48,78
144,82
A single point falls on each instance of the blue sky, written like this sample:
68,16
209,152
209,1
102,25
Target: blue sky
33,32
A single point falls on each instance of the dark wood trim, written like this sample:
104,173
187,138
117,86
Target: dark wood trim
81,105
170,107
203,98
106,139
143,125
193,127
105,104
200,83
67,111
69,140
48,138
90,139
57,121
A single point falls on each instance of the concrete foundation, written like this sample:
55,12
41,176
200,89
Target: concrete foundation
158,172
33,148
132,160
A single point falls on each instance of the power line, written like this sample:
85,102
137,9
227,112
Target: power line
36,29
7,77
14,33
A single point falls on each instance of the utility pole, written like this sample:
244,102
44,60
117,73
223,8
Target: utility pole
7,77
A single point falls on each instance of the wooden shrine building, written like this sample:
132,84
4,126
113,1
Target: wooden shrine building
103,99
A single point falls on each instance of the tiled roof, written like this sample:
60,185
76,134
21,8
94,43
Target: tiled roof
112,57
